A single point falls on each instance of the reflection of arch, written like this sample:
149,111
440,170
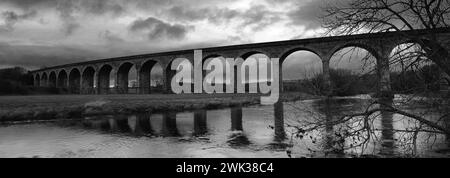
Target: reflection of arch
104,79
169,125
44,80
74,80
62,79
88,80
52,79
37,80
145,76
122,77
143,125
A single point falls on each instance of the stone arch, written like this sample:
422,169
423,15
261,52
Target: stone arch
44,80
75,81
52,79
353,69
366,47
290,51
88,79
37,80
169,73
122,76
62,79
247,54
246,69
145,76
301,69
103,79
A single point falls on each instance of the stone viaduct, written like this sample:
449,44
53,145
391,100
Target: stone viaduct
79,78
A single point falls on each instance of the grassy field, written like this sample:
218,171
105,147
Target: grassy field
48,107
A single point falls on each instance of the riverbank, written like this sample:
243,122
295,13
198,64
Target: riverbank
51,107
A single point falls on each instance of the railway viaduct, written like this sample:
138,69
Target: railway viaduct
93,77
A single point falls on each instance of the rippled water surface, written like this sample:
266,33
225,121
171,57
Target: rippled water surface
256,131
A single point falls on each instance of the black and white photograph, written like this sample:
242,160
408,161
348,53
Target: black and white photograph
210,79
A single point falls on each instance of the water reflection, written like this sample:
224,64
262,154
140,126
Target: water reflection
169,125
200,122
238,132
237,137
387,130
280,133
142,125
119,124
333,136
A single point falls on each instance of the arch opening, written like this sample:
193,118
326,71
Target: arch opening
151,77
37,80
44,80
126,78
251,75
87,84
74,81
104,79
62,80
302,72
412,71
352,72
52,79
185,76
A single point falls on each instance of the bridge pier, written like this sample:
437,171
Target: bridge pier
169,125
384,77
328,90
200,120
280,133
236,119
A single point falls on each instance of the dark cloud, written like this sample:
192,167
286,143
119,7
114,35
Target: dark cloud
157,29
11,18
100,7
66,10
257,17
110,37
27,4
307,14
35,56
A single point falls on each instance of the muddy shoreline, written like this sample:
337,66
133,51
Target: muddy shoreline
54,107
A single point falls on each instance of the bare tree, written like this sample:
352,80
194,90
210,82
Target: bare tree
373,16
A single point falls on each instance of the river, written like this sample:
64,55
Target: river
243,132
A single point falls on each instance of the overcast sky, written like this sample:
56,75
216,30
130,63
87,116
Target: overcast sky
35,33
